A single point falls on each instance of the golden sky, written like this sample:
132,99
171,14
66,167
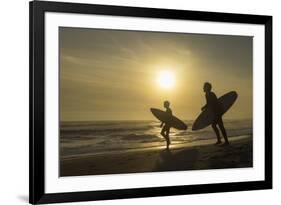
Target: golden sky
118,75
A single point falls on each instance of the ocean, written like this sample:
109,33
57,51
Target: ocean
86,138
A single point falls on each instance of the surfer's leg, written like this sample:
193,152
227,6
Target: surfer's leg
164,134
168,137
214,126
223,131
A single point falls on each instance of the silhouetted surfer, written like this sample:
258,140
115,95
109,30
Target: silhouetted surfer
166,128
212,103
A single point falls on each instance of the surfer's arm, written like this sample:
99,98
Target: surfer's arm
207,102
161,124
204,107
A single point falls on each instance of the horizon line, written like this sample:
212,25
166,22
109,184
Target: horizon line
61,121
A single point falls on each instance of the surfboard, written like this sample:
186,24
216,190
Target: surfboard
172,120
207,116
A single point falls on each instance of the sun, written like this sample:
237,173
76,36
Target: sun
166,79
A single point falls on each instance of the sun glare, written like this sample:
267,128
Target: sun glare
166,79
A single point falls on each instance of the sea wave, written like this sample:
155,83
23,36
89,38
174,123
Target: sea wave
92,137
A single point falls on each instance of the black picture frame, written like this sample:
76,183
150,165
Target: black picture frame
37,9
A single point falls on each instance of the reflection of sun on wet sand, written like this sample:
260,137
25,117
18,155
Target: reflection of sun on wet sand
197,155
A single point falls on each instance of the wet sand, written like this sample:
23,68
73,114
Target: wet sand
190,156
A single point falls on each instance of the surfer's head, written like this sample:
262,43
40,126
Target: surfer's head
166,104
207,87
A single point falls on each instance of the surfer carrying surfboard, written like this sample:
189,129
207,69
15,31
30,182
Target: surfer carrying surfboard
214,105
168,120
166,128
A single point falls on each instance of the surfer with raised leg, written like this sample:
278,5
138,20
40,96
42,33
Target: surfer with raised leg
166,128
213,104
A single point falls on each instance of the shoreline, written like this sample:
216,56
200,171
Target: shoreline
161,147
198,155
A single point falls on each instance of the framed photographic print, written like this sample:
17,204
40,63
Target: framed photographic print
140,102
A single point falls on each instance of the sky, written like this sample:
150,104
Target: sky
120,75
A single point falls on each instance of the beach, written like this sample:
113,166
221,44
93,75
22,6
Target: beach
193,155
